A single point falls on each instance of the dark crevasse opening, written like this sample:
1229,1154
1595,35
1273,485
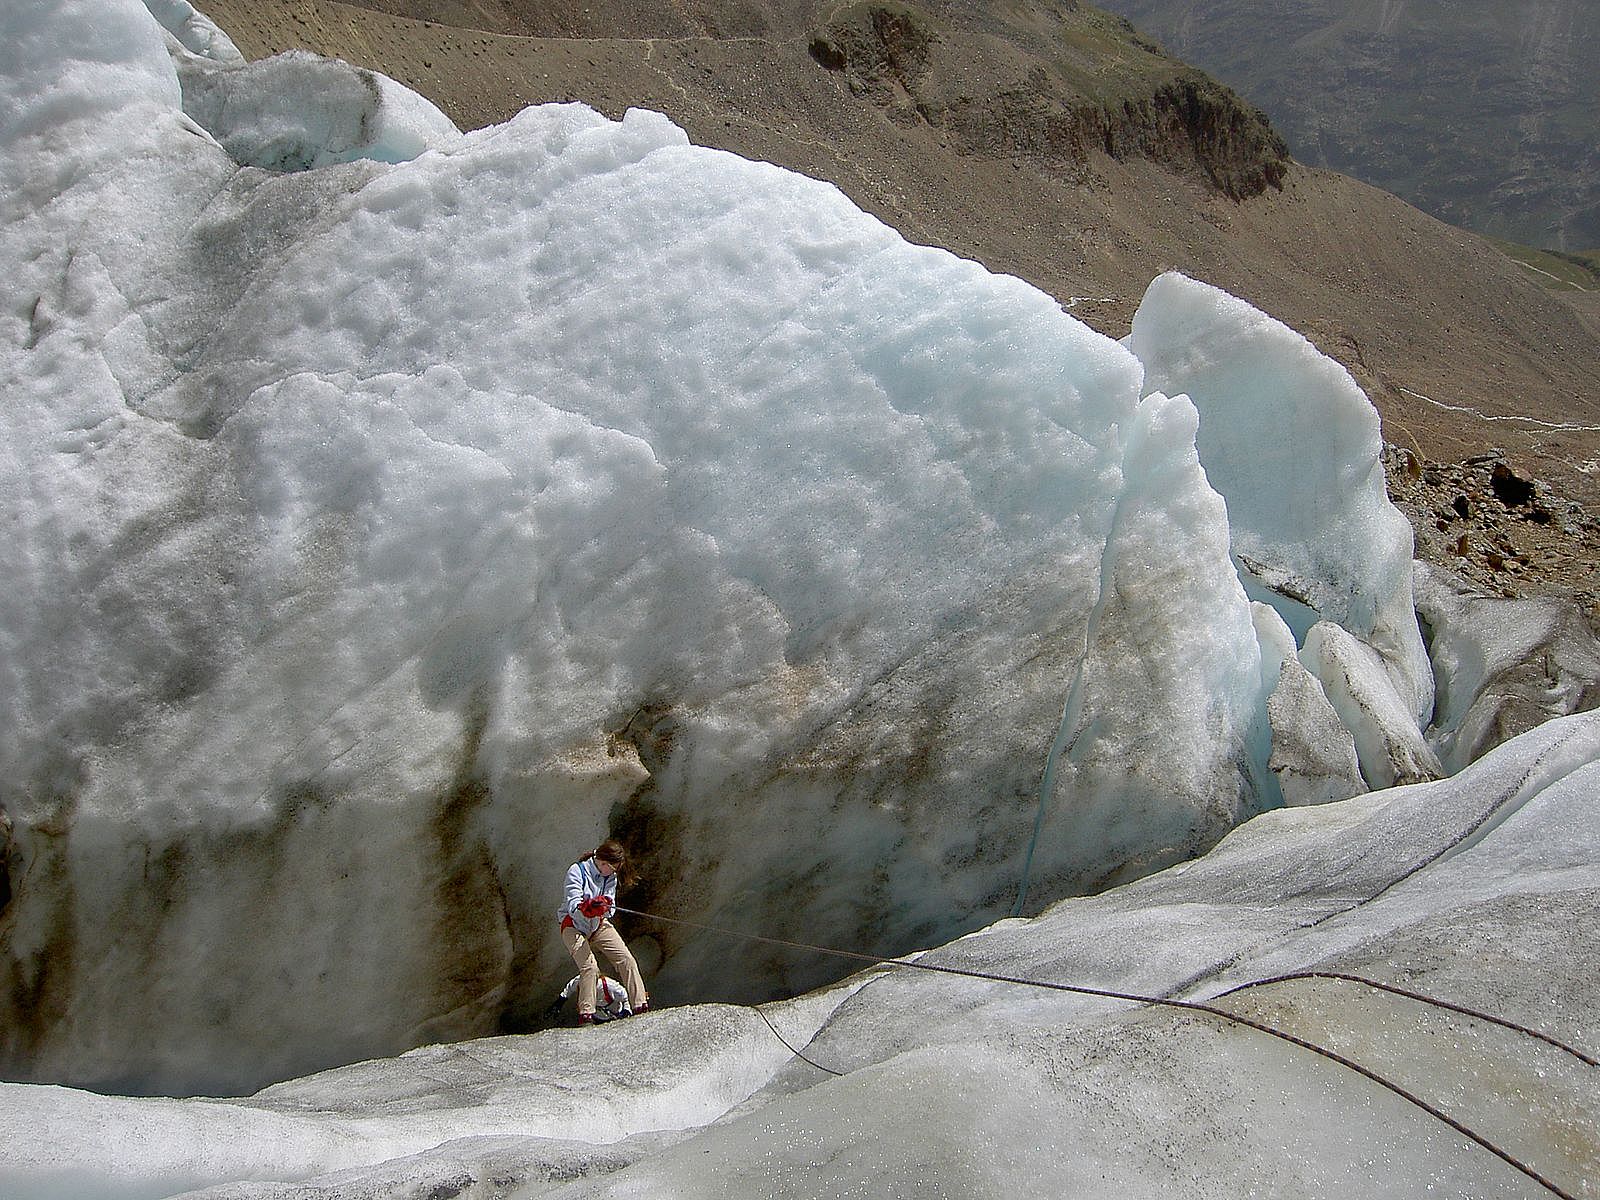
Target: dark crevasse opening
5,862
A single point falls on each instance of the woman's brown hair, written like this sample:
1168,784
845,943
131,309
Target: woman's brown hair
613,852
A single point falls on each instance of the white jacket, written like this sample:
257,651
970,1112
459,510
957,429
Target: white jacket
583,882
610,998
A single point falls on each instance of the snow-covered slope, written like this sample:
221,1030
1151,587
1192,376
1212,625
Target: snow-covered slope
1479,890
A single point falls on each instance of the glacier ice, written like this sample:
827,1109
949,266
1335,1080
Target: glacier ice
1292,444
195,32
297,111
1312,753
389,525
1187,695
1476,890
386,525
1389,746
294,111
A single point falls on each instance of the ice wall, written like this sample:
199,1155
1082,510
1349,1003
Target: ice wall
1293,446
1477,891
1197,681
384,533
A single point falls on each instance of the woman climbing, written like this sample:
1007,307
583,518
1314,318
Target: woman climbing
585,913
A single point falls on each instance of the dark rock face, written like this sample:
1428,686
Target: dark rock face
5,861
880,45
943,71
1196,117
1510,488
1478,112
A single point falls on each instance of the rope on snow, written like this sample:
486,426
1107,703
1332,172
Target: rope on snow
1187,1006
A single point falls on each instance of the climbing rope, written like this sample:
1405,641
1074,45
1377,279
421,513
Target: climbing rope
1169,1002
793,1049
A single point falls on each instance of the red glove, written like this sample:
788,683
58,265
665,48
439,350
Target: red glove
593,907
566,922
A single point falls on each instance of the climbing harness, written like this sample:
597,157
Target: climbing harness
1184,1005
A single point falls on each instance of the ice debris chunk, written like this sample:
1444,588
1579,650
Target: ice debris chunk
1313,755
297,111
294,111
1391,749
1503,665
195,32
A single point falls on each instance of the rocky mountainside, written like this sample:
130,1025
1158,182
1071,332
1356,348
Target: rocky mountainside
1481,112
1053,142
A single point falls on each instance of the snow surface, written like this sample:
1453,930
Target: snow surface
1479,890
393,512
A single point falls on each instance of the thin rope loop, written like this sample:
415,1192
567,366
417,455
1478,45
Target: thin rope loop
797,1053
1410,995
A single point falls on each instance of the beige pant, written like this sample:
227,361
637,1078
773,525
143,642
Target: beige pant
609,942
